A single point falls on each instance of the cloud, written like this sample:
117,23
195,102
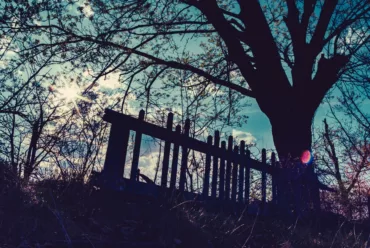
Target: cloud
148,165
354,37
3,64
84,6
88,11
246,136
268,154
106,83
7,47
110,83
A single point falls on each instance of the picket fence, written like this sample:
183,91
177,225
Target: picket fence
231,166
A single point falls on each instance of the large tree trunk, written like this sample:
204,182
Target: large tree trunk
297,185
292,135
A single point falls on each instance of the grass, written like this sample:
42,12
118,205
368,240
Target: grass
62,214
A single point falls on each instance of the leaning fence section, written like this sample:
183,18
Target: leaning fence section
227,169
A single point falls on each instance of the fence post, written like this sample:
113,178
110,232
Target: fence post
215,166
235,174
175,159
166,153
207,170
264,176
228,169
184,158
247,176
222,171
241,172
136,152
115,159
273,178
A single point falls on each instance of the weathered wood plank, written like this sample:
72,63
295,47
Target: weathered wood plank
215,165
235,176
136,152
166,153
222,173
116,153
175,160
247,161
263,176
228,169
207,170
241,173
184,157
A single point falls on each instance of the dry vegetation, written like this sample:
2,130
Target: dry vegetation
70,214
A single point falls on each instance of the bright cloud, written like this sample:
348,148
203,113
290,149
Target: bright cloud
84,6
148,165
241,135
88,11
109,82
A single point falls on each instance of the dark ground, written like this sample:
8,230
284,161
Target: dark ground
52,214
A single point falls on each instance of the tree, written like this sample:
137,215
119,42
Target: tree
342,147
344,159
285,54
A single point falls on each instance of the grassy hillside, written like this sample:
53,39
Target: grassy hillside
61,214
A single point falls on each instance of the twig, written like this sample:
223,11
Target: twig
182,203
357,239
237,228
86,236
295,225
242,214
250,234
60,220
336,234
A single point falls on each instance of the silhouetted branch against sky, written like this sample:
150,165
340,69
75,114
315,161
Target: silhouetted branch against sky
207,59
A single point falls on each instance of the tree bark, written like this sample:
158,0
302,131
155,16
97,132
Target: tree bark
291,130
292,135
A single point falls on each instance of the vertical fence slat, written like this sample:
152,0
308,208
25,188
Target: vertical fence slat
273,179
175,159
207,170
136,152
228,169
184,158
114,164
247,176
215,165
166,153
241,172
235,174
264,175
222,172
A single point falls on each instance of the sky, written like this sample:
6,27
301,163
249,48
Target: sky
257,129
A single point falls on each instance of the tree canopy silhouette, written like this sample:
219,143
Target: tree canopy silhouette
285,54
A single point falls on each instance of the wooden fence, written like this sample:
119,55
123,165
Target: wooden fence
231,165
